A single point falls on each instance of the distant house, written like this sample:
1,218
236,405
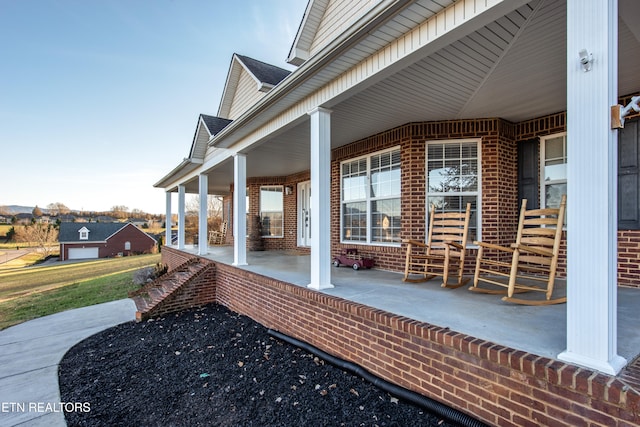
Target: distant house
24,218
66,218
102,240
105,218
140,223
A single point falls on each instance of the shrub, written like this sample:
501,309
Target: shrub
148,274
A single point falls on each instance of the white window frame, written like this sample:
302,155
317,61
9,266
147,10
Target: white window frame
281,211
477,193
367,200
543,183
84,233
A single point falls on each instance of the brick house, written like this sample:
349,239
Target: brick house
392,101
84,240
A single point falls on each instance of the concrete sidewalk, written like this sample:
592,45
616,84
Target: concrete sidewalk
30,354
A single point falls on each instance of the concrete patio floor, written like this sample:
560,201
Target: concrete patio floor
538,330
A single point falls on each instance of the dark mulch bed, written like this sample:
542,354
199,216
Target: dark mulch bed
214,367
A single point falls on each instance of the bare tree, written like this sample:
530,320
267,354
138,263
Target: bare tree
120,211
138,213
58,208
44,236
214,206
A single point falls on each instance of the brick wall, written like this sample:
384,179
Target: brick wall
495,384
140,242
629,258
173,258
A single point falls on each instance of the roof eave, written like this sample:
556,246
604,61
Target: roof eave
185,167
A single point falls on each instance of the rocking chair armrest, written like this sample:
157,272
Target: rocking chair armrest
416,243
531,249
492,246
454,244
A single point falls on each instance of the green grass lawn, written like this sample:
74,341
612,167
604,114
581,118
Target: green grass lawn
4,229
34,292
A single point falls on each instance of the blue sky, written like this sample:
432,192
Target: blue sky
100,99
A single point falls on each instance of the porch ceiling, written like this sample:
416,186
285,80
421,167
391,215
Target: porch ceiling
513,68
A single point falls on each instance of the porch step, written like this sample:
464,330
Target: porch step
151,296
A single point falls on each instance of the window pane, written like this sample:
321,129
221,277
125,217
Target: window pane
556,171
554,148
385,219
354,180
553,194
271,224
385,174
370,196
271,210
354,221
452,173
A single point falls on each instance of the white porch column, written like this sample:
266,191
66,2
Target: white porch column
592,187
203,231
167,220
240,209
181,214
321,190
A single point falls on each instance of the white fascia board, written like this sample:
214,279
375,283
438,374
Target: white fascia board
178,172
230,86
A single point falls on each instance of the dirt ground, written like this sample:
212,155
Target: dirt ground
212,367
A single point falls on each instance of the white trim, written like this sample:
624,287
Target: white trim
478,142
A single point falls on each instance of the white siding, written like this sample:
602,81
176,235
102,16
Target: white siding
245,96
338,16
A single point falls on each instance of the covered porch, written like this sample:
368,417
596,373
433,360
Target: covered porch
460,72
537,330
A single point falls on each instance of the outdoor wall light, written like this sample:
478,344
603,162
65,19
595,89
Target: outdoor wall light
586,60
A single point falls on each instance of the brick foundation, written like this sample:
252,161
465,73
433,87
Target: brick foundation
495,384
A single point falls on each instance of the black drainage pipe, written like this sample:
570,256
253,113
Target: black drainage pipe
430,405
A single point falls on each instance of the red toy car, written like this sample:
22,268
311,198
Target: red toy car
351,258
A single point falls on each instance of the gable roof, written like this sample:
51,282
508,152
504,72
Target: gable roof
265,75
98,231
301,47
214,124
207,127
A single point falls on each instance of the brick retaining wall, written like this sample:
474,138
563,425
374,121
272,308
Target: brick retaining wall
496,384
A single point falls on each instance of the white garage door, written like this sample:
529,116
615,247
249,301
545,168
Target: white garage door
82,253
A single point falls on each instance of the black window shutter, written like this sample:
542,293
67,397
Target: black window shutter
628,177
528,173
